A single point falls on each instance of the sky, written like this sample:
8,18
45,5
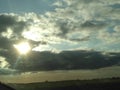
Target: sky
25,6
54,27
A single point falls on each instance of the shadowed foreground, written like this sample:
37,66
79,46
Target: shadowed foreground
5,87
101,84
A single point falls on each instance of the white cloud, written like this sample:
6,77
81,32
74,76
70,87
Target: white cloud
78,19
110,37
71,22
117,29
3,63
8,34
58,3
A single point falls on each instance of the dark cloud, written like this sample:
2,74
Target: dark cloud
19,27
7,49
5,43
66,60
6,21
77,2
64,27
92,24
7,71
115,6
9,21
80,39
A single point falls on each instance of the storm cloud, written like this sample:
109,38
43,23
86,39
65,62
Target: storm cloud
67,60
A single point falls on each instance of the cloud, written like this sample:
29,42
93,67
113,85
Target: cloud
73,25
7,71
58,3
66,60
5,43
3,63
10,33
98,19
94,24
9,21
117,28
92,19
5,67
110,37
6,21
80,39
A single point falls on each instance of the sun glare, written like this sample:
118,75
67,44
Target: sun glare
23,48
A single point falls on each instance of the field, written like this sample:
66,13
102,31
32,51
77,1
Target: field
96,84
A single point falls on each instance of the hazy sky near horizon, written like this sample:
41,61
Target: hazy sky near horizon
61,75
56,26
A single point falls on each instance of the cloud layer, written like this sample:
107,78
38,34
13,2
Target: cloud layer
72,25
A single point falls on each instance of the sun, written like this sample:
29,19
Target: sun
23,47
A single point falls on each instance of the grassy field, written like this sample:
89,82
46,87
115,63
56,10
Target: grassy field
96,84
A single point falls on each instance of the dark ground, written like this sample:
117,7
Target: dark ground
5,87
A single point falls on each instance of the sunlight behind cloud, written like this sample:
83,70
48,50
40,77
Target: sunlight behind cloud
23,48
33,34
